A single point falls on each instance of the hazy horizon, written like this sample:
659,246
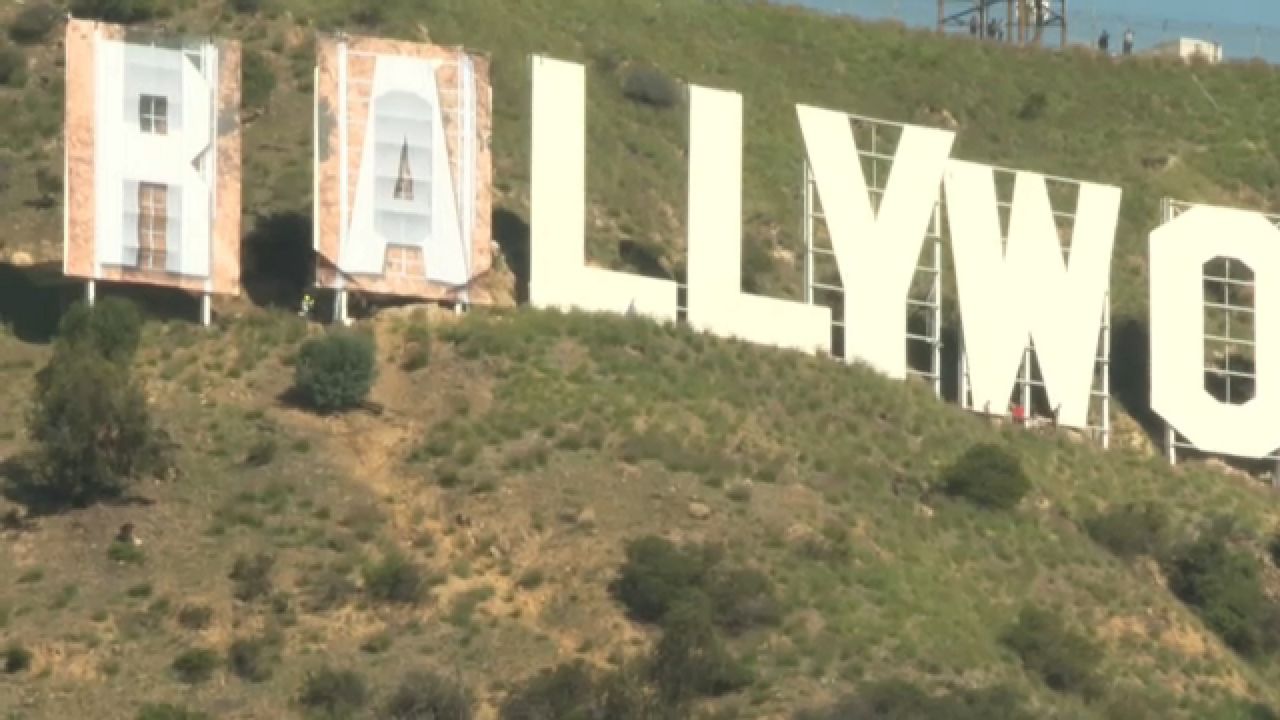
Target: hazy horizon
1245,29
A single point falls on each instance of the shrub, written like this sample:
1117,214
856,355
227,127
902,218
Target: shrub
13,66
690,661
336,372
988,476
119,11
901,700
1130,530
416,353
254,659
262,452
655,575
649,86
1224,586
165,711
332,692
1065,660
573,690
34,23
93,430
743,598
394,578
246,7
112,328
427,696
252,576
195,666
16,659
195,617
258,81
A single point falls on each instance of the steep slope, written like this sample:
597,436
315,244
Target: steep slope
515,467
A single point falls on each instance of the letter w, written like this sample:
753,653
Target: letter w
1024,291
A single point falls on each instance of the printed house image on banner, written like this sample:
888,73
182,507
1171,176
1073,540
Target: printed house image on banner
403,169
152,159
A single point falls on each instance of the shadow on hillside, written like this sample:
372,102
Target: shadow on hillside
511,232
1130,375
32,299
153,301
19,484
277,258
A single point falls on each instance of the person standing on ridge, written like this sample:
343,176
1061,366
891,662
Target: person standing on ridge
1104,41
1128,41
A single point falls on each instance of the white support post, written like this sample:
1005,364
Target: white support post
1026,383
1170,446
206,309
1275,474
90,291
340,308
806,230
1106,374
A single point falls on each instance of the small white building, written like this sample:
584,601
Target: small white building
1188,48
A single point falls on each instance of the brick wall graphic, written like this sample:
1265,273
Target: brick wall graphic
152,159
403,169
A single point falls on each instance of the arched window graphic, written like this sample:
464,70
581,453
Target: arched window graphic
403,168
404,182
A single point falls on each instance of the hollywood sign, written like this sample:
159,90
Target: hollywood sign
1015,289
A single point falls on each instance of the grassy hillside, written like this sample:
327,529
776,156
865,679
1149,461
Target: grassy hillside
1153,127
510,458
514,468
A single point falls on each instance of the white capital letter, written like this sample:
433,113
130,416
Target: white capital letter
1027,291
876,252
716,301
558,275
1179,250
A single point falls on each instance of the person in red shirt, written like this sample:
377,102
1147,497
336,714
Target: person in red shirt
1019,414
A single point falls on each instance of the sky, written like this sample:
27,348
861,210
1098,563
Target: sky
1246,28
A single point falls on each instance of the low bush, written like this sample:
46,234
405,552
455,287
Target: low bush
16,659
901,700
650,86
334,693
394,578
258,79
254,659
1130,530
1063,659
336,371
195,617
742,598
125,553
13,66
195,666
656,574
118,11
246,7
34,23
112,328
988,476
165,711
424,695
251,576
574,690
690,661
1224,586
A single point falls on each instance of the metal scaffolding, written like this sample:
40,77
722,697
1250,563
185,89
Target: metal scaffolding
1016,21
877,143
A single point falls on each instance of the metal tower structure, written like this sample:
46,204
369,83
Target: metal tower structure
1018,21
